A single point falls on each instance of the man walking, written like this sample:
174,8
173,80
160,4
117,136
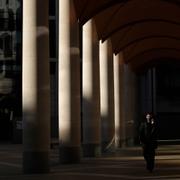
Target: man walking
148,140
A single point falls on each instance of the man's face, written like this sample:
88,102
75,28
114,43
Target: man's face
148,116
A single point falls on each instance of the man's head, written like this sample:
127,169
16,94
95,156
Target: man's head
148,117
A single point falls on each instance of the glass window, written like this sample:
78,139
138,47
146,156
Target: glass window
8,46
52,7
52,38
53,68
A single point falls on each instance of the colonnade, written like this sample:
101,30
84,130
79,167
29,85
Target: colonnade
108,90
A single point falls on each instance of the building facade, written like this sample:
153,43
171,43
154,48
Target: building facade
10,67
63,78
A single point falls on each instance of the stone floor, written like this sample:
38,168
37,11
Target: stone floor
126,164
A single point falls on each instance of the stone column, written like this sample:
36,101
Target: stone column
117,90
133,108
154,91
128,106
124,105
149,91
69,84
36,87
91,91
136,106
120,107
107,95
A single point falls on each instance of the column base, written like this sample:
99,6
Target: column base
91,150
69,155
130,142
123,143
108,147
35,162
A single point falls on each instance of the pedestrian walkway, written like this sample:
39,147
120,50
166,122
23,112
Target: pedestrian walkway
126,164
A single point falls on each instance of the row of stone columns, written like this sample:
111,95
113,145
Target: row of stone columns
105,101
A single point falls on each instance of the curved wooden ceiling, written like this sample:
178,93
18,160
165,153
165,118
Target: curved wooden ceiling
142,31
136,27
149,58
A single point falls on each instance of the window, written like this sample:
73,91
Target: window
52,38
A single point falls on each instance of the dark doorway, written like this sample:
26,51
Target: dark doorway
168,100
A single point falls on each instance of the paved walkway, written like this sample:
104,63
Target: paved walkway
126,164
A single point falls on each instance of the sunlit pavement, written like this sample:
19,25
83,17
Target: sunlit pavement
125,164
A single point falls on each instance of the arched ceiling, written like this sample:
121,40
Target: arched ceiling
153,56
133,12
148,44
142,31
137,28
86,9
155,63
